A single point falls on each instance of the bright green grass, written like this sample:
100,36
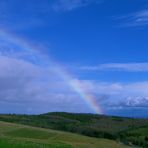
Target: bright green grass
5,143
20,136
30,133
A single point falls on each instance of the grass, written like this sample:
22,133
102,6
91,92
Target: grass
16,144
30,133
75,122
21,136
5,143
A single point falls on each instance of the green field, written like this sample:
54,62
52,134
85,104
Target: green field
99,126
130,131
21,136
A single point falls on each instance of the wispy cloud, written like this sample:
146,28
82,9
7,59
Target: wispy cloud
68,5
136,19
129,67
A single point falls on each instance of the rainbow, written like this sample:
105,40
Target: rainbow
76,85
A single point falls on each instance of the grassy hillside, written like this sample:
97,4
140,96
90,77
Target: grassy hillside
86,124
99,126
20,136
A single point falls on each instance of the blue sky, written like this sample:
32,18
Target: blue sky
102,44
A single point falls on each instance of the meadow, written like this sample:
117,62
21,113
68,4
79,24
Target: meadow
77,123
21,136
100,129
129,131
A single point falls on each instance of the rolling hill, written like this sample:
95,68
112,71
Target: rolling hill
130,131
21,136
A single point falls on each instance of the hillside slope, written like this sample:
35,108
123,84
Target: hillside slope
20,136
85,124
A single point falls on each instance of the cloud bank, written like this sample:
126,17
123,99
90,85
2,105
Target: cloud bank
41,89
29,86
24,83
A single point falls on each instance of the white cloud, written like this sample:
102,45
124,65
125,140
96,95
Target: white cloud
119,95
29,79
67,5
129,67
28,84
137,101
117,88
